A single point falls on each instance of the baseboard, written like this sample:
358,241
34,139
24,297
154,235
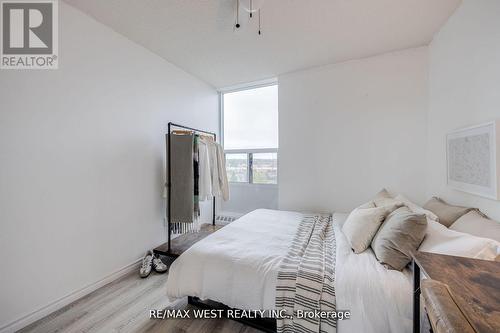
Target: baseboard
68,299
231,215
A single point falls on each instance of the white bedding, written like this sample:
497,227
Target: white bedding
380,300
238,266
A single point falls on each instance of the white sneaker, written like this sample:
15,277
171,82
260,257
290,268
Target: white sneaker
158,265
147,265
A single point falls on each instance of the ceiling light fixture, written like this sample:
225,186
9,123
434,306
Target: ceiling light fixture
251,7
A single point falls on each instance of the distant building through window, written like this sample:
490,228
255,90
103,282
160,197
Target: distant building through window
251,135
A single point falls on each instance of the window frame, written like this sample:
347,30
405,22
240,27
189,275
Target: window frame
249,152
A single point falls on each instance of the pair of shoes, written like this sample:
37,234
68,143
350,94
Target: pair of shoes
150,262
158,265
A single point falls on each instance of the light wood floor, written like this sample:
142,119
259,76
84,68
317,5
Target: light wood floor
123,306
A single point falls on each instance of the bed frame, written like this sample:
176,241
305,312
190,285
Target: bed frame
261,323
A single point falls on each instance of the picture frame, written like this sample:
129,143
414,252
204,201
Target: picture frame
473,159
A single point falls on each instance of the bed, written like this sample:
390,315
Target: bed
238,266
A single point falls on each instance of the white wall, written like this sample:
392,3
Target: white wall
247,197
349,129
464,89
82,161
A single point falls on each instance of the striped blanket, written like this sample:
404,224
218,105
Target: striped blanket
306,278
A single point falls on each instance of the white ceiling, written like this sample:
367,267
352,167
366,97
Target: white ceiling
198,35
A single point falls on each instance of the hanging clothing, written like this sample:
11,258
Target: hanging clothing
196,177
182,181
214,170
198,173
213,175
221,168
205,181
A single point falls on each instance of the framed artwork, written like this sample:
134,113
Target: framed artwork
473,159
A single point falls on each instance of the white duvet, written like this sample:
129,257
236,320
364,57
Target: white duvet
238,266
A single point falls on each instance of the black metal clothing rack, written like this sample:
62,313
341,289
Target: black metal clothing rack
169,174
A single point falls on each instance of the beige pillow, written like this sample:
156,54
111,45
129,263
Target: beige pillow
384,198
446,213
382,194
399,236
369,204
416,208
476,224
362,224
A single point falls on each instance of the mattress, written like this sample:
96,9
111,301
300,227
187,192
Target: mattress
238,266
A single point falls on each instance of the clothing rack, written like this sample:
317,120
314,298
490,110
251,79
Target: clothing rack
169,174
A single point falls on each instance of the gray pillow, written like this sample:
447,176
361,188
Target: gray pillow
362,224
477,224
399,236
447,213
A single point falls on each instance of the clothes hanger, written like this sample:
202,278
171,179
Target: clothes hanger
182,132
206,136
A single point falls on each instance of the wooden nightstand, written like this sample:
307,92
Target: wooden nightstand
474,287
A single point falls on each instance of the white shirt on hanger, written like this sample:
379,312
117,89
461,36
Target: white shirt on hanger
205,180
212,164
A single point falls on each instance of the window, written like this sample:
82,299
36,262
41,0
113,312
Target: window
251,135
237,168
265,168
251,118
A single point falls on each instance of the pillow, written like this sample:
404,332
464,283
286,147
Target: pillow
399,236
446,213
476,224
439,239
382,194
383,198
369,204
416,208
362,224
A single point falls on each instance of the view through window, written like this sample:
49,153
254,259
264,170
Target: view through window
251,135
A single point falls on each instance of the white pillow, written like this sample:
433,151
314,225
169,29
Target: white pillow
384,198
416,208
477,224
439,239
362,225
369,204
